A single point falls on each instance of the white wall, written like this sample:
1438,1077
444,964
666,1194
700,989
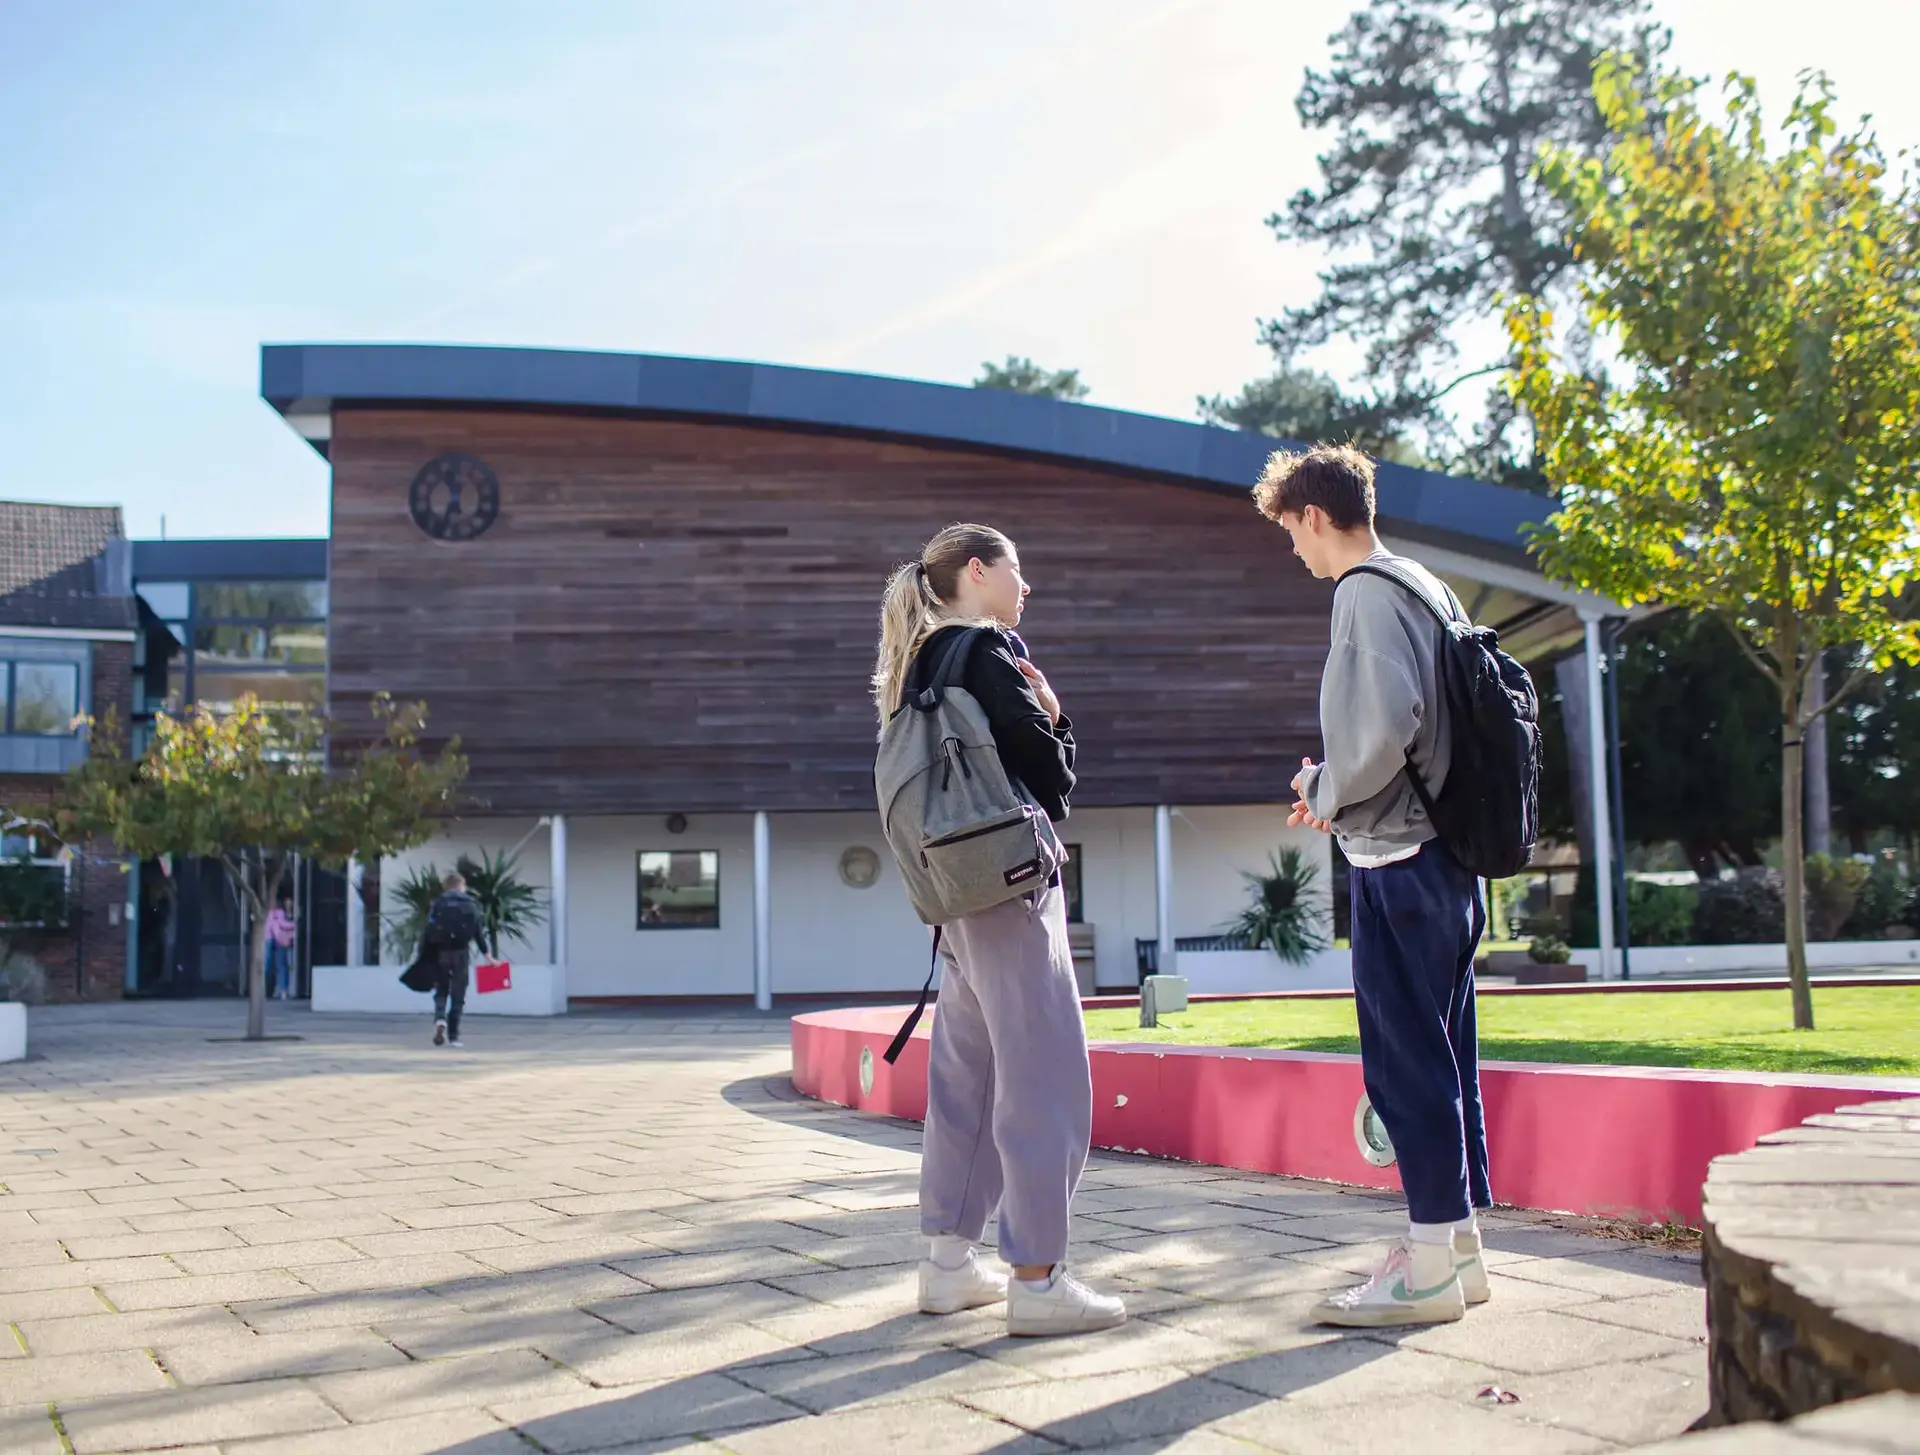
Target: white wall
829,938
826,936
1212,847
609,954
469,836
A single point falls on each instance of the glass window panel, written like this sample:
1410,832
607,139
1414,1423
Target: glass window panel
46,698
1070,884
220,691
213,600
167,598
301,645
679,889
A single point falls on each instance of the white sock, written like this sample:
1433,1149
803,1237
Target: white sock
948,1252
1441,1233
1041,1285
1470,1224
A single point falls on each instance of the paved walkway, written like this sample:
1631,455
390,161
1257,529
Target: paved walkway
622,1232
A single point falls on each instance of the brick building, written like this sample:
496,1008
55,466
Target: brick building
68,631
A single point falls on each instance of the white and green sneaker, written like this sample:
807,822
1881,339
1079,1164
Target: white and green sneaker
1418,1284
1472,1268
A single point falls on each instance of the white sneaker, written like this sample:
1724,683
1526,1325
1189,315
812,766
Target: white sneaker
1064,1306
1471,1267
439,1033
948,1290
1418,1284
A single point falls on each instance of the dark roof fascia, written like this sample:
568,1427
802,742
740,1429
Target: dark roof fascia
290,559
311,378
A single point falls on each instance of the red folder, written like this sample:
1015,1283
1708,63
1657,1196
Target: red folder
492,975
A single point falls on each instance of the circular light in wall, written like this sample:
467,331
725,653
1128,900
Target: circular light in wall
1370,1136
859,867
676,823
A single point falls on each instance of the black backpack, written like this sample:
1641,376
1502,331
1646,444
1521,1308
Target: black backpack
1488,810
452,923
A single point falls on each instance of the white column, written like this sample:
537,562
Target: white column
1602,808
356,914
762,912
557,888
1163,885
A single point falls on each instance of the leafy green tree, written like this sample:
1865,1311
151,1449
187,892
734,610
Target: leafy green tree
251,789
1023,376
1309,407
1875,750
1699,746
1761,459
1428,200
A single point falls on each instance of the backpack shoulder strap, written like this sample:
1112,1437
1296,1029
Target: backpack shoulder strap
952,667
1408,584
905,1033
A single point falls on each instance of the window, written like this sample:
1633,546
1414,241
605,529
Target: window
33,877
300,644
167,598
1070,884
679,889
42,698
222,691
258,600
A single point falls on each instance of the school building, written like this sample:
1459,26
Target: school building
642,592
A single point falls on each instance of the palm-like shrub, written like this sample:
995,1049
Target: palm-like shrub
1284,915
510,908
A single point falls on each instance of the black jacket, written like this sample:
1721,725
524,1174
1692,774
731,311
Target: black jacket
463,906
1032,747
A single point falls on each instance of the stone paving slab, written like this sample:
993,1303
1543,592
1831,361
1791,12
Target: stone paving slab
624,1233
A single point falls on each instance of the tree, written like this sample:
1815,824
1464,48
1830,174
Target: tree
1309,407
1699,758
1760,461
1023,376
251,789
1436,109
1875,750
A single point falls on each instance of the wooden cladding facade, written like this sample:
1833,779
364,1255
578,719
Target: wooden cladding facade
679,616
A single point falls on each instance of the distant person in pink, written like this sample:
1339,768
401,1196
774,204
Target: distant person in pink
280,928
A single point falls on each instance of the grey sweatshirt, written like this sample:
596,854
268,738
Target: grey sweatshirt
1379,701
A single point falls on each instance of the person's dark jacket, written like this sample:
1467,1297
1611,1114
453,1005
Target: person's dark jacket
1033,748
454,957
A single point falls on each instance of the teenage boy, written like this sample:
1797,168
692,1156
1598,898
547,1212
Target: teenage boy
1417,914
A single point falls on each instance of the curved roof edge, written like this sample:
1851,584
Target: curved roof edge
308,379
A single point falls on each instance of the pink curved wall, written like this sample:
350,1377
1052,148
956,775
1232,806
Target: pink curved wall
1613,1141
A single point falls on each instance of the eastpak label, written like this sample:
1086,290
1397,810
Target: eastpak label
1020,873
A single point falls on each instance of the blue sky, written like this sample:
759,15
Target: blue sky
902,189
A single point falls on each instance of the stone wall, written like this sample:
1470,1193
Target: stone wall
1812,1263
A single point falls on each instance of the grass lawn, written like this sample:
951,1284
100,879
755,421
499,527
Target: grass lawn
1865,1030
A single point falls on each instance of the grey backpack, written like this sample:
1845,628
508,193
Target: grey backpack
965,834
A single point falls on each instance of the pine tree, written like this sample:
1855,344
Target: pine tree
1437,109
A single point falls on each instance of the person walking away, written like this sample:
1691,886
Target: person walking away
453,924
1009,1086
1417,913
281,923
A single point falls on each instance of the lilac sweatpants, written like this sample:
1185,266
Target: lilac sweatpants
1009,1088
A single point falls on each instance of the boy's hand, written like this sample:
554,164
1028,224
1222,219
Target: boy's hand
1302,814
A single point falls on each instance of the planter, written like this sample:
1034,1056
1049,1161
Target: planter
1525,970
13,1031
376,990
1725,959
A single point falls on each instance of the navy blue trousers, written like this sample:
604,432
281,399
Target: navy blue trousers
1416,925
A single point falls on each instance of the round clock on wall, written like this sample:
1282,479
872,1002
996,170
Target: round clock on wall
454,497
